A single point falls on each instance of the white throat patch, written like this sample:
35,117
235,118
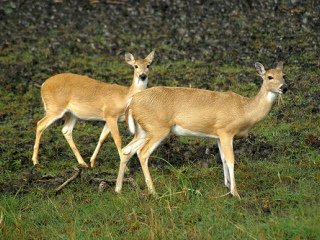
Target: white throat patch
143,84
271,96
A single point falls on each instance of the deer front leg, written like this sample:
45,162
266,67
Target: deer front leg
227,149
225,167
104,134
113,126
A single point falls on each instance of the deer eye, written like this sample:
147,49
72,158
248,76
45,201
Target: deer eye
136,66
270,77
148,66
284,77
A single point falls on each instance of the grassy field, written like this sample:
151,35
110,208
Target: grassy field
277,173
278,166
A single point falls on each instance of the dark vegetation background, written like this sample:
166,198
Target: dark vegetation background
205,44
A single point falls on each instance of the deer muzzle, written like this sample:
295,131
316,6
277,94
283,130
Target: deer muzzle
284,88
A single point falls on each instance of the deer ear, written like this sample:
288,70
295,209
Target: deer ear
260,68
150,57
280,65
129,58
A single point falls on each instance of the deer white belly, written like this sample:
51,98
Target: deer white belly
180,131
85,113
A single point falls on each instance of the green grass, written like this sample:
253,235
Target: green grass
285,206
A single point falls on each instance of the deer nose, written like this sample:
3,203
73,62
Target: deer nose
284,88
143,76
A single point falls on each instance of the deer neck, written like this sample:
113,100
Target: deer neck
137,86
259,106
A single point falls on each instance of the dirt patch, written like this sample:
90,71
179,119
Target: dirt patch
33,179
313,141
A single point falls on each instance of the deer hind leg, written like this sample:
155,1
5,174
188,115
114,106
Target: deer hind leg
42,124
227,149
70,121
128,152
104,134
152,142
136,142
225,167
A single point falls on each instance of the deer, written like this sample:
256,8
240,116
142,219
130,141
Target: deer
72,97
155,112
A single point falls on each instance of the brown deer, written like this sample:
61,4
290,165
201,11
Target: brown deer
155,112
75,97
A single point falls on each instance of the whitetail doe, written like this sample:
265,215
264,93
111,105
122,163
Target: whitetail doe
155,112
75,97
